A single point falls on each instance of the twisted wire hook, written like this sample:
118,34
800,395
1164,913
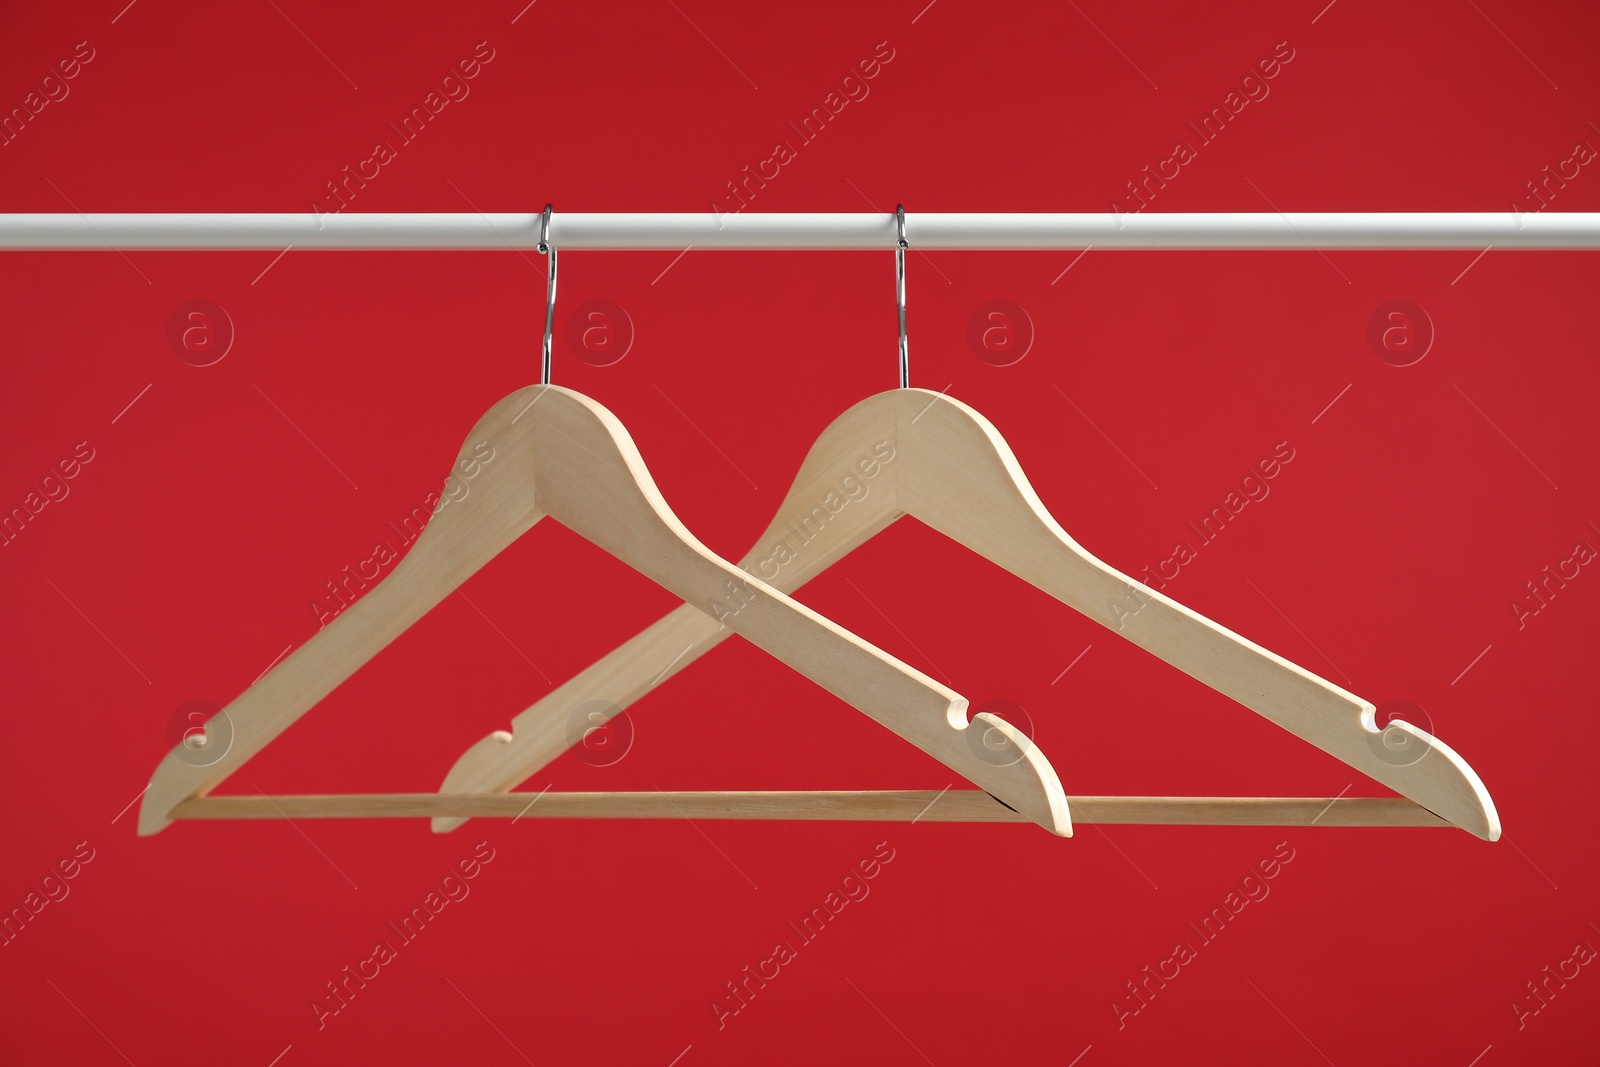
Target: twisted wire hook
546,248
900,291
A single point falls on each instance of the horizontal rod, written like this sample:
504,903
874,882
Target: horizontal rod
895,805
708,230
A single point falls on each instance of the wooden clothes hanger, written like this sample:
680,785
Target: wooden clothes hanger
949,467
562,454
952,470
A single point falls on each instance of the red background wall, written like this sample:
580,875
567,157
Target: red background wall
186,554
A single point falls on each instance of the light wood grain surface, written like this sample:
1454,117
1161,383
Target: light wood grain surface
895,805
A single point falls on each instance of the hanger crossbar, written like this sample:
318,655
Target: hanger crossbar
706,230
891,805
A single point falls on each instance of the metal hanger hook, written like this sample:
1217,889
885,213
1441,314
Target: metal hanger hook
546,248
900,290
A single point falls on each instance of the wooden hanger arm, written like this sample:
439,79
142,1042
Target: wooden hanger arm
961,478
461,537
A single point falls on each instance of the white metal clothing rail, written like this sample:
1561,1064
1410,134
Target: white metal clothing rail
839,231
